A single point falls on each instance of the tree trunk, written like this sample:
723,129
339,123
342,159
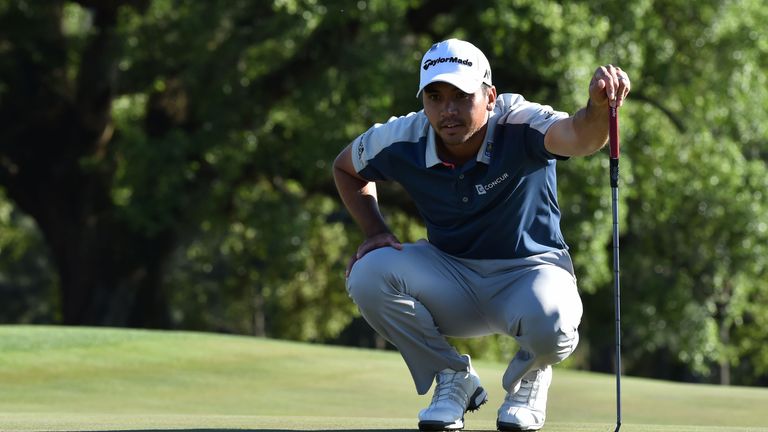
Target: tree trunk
725,365
109,273
55,163
259,315
725,373
722,306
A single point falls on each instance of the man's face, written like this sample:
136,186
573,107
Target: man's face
457,117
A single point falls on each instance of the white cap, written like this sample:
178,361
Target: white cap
456,62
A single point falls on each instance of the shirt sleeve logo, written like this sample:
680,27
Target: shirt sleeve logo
360,148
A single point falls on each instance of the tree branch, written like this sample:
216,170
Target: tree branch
420,19
97,74
676,121
319,50
111,6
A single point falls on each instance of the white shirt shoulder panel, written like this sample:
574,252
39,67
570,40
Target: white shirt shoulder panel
408,128
514,109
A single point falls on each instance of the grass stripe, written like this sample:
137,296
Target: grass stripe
66,379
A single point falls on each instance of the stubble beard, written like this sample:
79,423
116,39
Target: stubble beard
460,140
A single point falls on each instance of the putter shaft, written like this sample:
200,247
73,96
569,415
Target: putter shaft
614,176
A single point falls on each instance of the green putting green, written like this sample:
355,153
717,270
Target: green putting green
66,379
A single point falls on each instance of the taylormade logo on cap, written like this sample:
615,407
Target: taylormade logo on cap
455,62
429,63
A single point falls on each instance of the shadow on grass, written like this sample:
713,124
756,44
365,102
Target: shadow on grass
277,430
264,430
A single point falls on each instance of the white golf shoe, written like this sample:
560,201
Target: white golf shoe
525,406
456,392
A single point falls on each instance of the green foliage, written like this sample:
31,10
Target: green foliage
697,264
27,281
227,115
274,270
694,256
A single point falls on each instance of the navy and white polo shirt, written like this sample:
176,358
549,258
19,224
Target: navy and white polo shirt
501,205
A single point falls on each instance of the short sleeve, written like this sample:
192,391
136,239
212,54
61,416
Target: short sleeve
363,152
537,117
371,150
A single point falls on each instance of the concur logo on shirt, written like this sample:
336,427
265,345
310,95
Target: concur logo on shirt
483,189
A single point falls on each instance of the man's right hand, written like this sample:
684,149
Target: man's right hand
371,243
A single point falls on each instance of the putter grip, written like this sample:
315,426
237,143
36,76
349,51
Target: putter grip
613,132
613,142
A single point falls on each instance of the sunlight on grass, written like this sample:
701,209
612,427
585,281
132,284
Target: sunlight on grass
65,379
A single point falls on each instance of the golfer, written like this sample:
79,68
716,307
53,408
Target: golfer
480,168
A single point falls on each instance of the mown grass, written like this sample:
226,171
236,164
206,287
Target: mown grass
67,379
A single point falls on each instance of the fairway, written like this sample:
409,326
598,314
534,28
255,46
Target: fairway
68,379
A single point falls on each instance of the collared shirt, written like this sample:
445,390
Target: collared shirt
500,205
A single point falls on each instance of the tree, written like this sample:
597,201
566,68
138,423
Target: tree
56,129
696,210
175,156
128,125
27,282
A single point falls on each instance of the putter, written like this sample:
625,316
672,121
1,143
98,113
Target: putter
614,168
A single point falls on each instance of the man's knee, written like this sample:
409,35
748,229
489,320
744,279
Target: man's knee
554,331
370,278
555,346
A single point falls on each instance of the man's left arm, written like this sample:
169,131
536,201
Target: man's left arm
587,131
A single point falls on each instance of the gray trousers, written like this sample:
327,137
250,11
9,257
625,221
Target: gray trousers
416,296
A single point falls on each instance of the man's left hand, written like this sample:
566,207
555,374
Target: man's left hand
609,85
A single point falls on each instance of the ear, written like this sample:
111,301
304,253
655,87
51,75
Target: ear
491,102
